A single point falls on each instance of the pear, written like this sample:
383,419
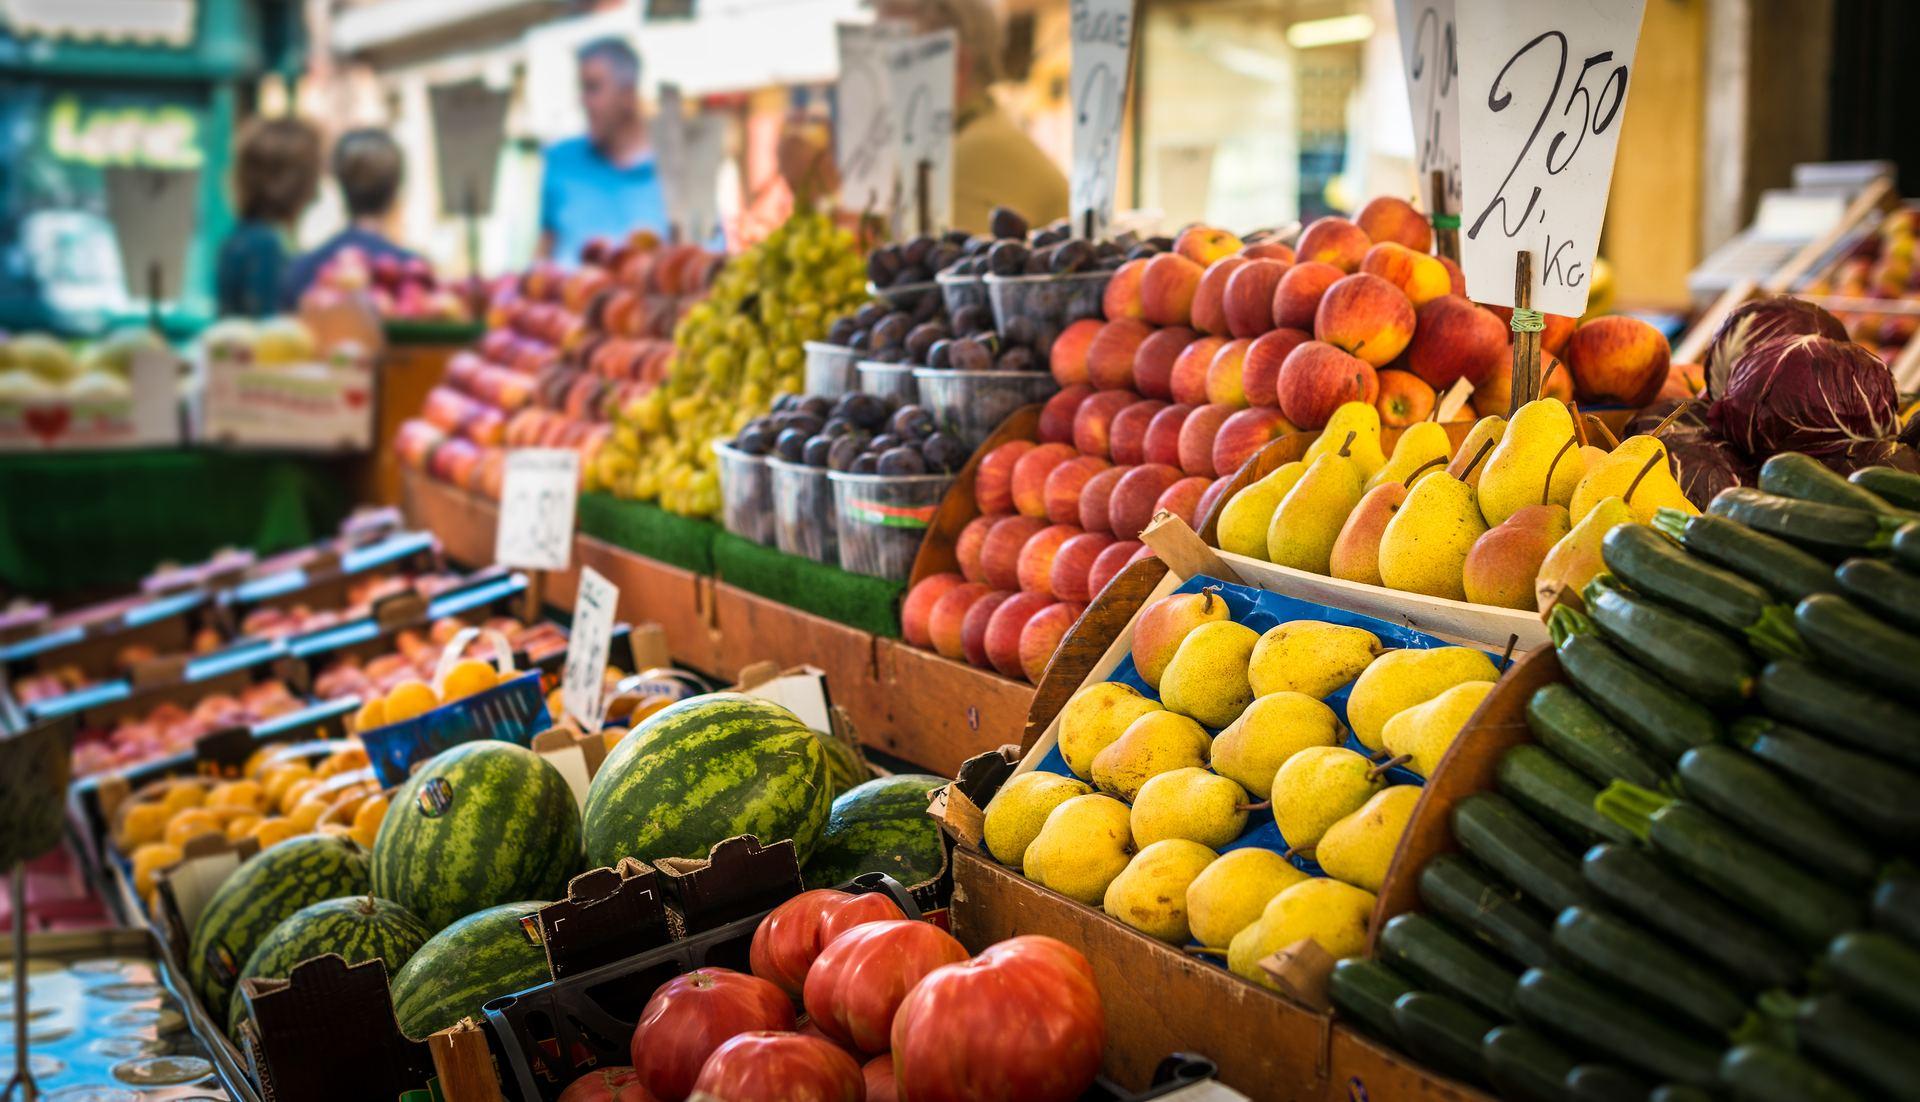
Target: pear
1424,547
1575,560
1189,803
1150,894
1423,446
1155,743
1468,461
1501,567
1358,848
1243,523
1536,462
1356,550
1082,846
1165,622
1316,788
1229,895
1207,678
1310,656
1333,914
1096,716
1018,811
1424,732
1309,518
1640,473
1363,421
1400,679
1272,729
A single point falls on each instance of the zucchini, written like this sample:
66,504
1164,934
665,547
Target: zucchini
1664,721
1583,1014
1443,1032
1762,1073
1808,697
1804,478
1846,1036
1524,1065
1866,791
1779,567
1896,907
1821,528
1705,847
1879,970
1655,565
1678,1092
1692,657
1605,1083
1750,795
1900,489
1618,954
1847,639
1642,887
1552,792
1442,961
1575,730
1906,546
1364,991
1518,850
1456,889
1883,589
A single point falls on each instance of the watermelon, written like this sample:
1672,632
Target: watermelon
484,823
702,771
469,964
260,895
880,826
846,766
358,929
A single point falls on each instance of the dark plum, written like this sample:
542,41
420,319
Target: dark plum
911,423
816,451
943,453
791,445
901,461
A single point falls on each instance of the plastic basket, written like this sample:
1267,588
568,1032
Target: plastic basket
883,519
746,493
971,404
889,381
804,522
829,370
513,711
961,291
1053,301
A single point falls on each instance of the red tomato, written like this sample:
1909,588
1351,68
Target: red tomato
792,936
879,1076
691,1015
859,980
1021,1022
607,1085
780,1067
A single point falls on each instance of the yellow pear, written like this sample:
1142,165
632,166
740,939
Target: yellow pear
1311,515
1230,894
1207,678
1150,894
1164,623
1358,848
1638,472
1505,562
1018,811
1156,743
1189,803
1424,547
1363,421
1310,656
1244,522
1400,679
1425,731
1096,716
1535,463
1083,845
1316,788
1423,447
1272,729
1575,560
1469,462
1320,909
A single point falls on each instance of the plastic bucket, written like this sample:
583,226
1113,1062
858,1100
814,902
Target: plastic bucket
889,381
883,519
830,369
1052,300
804,521
746,493
971,404
961,291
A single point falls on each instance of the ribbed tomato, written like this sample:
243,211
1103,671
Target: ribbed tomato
607,1085
789,939
858,981
879,1075
1021,1022
692,1015
779,1067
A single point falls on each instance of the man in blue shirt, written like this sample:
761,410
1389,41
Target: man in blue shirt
605,182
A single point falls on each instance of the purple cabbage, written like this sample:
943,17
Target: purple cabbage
1759,322
1806,393
1850,457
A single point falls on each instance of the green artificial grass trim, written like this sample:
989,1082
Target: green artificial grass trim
649,530
867,604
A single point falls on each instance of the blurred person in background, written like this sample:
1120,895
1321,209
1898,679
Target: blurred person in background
368,166
276,174
603,183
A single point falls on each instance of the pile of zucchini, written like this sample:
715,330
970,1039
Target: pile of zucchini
1700,881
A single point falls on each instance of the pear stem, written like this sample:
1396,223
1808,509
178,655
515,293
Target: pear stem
1207,596
1551,368
1669,419
1397,759
1413,475
1506,656
1261,806
1485,447
1203,951
1297,851
1346,444
1645,469
1546,491
1579,423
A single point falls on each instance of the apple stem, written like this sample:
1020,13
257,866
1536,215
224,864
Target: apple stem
1397,759
1261,806
1347,443
1485,447
1645,469
1437,461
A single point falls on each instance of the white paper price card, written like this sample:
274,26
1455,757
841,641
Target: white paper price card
865,144
1543,89
1101,64
583,684
923,76
537,494
1427,49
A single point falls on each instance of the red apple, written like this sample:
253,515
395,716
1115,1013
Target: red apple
1095,496
1111,562
993,478
1242,435
1110,357
1249,297
1093,424
918,606
1318,378
1056,417
1030,476
1456,339
1188,383
1210,298
1167,289
1386,218
1334,241
1261,369
1067,359
1153,363
1297,298
1162,443
1128,432
1367,317
1197,434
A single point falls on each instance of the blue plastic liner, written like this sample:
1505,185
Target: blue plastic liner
512,711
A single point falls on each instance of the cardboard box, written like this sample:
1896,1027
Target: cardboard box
145,413
314,406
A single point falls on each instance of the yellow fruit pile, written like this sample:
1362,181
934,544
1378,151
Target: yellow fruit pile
414,697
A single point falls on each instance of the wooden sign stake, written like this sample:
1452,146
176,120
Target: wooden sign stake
474,286
1526,336
923,195
536,583
1446,227
155,288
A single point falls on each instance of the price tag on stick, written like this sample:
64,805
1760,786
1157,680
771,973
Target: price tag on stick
1102,64
583,684
1543,87
1427,50
537,494
865,143
923,80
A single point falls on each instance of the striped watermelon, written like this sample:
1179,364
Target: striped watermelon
359,928
483,823
845,765
260,895
469,964
880,826
704,770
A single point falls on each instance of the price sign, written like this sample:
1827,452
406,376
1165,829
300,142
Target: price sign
1543,85
537,495
1101,65
922,71
865,143
690,152
1427,50
583,684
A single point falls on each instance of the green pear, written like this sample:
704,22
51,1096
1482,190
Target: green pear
1363,421
1575,560
1229,896
1018,811
1150,894
1082,846
1423,446
1310,516
1333,914
1424,547
1162,626
1356,550
1243,523
1359,848
1640,473
1400,679
1470,460
1536,462
1207,678
1311,657
1096,716
1272,729
1504,562
1425,731
1316,788
1156,743
1189,803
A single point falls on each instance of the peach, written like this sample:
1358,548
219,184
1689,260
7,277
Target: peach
1182,499
1318,378
1188,381
1404,399
1030,476
1110,356
972,541
1454,339
1073,565
1128,432
1134,497
1167,289
1068,357
1242,435
1210,298
1056,417
918,606
1367,317
1269,250
973,627
1153,363
1216,490
1456,277
1618,359
1035,565
1420,277
945,619
1197,433
993,478
1096,496
1163,435
1223,374
1041,637
1122,298
1000,554
1205,244
1298,296
1261,369
1111,562
1334,241
1386,218
1064,485
1093,424
1249,301
1003,630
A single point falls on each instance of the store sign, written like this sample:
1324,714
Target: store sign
583,683
865,143
922,71
1101,66
1428,50
125,137
1543,86
537,494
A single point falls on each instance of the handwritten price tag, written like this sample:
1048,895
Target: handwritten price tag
922,75
583,683
866,145
1543,85
1101,66
1428,49
537,495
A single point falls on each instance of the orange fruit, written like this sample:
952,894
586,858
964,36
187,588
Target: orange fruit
305,815
247,794
149,859
367,820
273,831
191,823
344,760
144,823
467,677
410,698
184,794
296,791
372,714
241,825
276,780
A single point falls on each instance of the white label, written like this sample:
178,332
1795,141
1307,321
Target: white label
537,494
1427,49
1543,87
923,76
865,145
583,685
1102,63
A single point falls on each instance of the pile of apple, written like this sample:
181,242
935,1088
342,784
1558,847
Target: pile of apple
172,728
1880,266
399,287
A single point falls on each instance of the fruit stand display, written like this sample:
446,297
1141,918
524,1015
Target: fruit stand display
1872,286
